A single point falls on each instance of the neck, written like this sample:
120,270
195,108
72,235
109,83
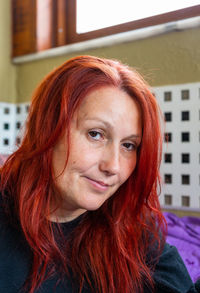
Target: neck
63,216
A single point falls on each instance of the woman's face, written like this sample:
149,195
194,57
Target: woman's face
104,136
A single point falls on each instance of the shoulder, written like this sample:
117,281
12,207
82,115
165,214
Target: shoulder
171,274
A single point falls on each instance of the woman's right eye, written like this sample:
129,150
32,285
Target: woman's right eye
96,135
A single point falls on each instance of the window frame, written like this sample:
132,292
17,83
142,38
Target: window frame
60,16
175,15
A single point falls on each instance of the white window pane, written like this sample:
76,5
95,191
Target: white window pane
96,14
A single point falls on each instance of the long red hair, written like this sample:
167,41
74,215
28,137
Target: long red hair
110,247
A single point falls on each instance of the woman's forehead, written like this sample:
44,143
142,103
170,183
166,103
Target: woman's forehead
112,107
106,98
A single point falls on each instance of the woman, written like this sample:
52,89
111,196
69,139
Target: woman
80,211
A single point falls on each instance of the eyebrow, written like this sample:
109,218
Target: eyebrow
108,125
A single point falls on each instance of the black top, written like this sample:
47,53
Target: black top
170,276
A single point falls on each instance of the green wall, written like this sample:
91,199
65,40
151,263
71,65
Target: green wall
171,58
7,69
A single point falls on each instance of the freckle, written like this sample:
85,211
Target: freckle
74,162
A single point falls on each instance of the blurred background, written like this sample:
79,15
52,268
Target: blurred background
162,42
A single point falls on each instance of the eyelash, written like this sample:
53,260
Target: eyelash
93,133
128,144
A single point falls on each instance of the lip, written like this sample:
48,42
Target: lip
99,185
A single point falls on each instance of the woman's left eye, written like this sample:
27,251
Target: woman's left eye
129,146
95,134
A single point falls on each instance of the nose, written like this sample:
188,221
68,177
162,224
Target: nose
110,160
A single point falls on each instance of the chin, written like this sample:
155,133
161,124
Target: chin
92,206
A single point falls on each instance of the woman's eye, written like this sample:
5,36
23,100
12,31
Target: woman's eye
95,134
129,146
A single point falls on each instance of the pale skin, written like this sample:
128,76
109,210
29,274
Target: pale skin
105,133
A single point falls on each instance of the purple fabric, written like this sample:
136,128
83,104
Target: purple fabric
184,233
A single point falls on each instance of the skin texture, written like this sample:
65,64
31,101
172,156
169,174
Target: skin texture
104,135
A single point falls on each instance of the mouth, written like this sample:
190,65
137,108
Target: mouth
99,185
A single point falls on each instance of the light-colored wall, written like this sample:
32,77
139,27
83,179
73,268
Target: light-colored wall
7,69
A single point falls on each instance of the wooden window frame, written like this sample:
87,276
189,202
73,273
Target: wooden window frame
132,25
60,22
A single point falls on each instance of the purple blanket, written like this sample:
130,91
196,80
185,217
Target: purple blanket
184,233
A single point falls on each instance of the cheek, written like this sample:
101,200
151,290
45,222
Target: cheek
128,168
82,157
